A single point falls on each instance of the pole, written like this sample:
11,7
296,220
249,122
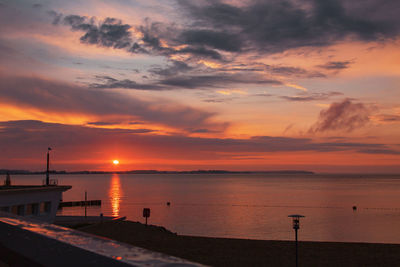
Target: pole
85,202
297,261
47,171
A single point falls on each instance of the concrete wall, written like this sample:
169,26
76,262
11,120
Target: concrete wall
25,242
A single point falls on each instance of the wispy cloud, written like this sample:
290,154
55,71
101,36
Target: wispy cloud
218,80
336,65
296,86
109,82
304,97
391,118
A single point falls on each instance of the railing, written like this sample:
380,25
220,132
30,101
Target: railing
51,182
26,242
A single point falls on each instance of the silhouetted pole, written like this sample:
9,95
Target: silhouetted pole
296,227
8,180
85,202
297,248
146,214
48,163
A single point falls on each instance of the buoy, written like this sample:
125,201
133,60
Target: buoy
354,207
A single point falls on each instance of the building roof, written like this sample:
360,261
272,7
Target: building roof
32,188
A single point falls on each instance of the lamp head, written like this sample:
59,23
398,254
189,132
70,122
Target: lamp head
296,220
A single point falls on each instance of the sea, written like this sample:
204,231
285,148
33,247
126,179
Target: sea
337,207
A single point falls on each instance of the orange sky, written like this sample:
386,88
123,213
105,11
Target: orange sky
205,85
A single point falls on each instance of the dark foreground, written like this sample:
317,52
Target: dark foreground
243,252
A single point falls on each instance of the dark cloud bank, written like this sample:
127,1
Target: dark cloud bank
60,97
275,26
31,135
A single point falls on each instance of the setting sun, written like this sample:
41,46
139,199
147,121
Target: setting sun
115,162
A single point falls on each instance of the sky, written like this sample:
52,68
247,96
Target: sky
206,84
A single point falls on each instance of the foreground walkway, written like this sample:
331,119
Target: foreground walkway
241,252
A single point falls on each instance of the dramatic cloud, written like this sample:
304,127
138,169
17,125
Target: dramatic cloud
345,116
266,26
275,26
60,97
226,37
110,32
154,33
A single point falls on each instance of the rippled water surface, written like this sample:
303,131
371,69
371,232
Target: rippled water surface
247,205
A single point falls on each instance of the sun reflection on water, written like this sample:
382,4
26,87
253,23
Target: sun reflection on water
115,194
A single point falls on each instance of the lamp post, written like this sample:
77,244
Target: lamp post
85,203
296,226
48,171
146,213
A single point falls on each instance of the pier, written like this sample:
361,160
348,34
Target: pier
81,203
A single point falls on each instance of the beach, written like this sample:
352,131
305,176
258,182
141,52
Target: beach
247,252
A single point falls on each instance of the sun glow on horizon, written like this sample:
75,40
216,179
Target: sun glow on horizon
115,162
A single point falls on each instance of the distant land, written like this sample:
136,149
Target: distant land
5,171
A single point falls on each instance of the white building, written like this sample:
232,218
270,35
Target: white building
39,202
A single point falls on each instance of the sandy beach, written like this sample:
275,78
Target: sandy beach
244,252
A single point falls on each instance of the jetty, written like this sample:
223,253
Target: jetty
81,203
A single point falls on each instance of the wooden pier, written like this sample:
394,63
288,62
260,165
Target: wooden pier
82,203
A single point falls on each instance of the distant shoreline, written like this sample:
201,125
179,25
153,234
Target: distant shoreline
27,172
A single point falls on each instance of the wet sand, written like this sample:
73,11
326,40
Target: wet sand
244,252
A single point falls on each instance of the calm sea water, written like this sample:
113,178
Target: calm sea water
251,206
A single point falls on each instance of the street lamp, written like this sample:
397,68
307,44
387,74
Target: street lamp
296,226
146,213
48,171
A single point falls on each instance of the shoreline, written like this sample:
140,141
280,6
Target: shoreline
53,172
247,252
